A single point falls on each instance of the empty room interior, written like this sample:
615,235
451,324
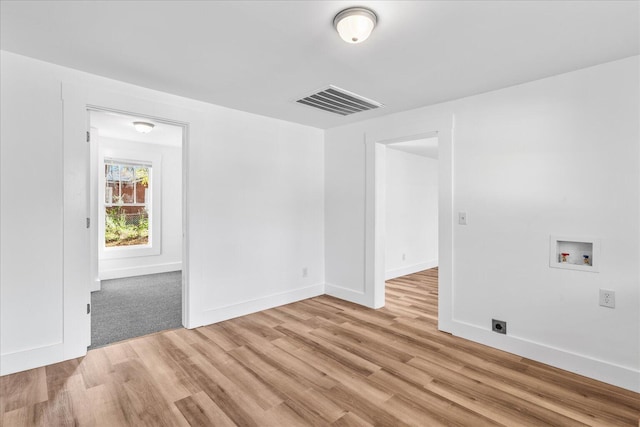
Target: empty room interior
291,213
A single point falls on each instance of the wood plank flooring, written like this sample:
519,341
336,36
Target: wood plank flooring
317,362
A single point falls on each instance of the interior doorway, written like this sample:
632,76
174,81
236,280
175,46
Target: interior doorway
135,201
442,127
411,207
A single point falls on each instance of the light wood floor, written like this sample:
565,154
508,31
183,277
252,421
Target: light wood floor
316,362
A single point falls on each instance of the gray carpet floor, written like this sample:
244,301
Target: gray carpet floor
135,306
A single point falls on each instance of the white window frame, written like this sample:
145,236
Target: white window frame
154,206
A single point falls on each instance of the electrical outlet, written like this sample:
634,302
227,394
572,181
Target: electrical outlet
607,298
462,218
305,272
499,326
404,257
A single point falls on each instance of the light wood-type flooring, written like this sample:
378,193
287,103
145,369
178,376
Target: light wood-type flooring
321,361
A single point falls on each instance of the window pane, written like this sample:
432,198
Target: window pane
111,172
111,192
127,192
126,173
112,184
142,183
126,184
126,226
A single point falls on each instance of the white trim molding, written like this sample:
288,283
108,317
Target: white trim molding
410,269
357,297
140,270
621,376
23,360
218,314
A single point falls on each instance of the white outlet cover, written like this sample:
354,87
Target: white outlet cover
462,218
607,298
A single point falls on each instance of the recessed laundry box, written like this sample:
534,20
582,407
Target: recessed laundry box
574,253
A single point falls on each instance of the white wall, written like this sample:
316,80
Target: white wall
30,226
257,215
256,206
557,156
411,213
170,257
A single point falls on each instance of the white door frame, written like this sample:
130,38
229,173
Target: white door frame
77,100
442,126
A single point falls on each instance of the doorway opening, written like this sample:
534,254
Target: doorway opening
136,195
411,207
376,211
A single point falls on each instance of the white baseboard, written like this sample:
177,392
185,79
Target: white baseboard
410,269
600,370
219,314
357,297
32,358
140,270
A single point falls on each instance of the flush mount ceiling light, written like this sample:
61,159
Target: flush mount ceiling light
355,24
143,127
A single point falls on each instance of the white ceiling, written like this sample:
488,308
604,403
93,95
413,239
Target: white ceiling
119,126
260,56
425,147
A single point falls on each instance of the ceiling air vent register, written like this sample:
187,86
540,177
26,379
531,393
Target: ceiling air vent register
339,101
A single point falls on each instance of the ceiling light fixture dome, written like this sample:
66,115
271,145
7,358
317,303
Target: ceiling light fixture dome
355,24
143,127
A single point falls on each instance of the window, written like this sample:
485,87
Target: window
127,203
130,205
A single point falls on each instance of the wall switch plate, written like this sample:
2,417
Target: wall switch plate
499,326
462,218
607,298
